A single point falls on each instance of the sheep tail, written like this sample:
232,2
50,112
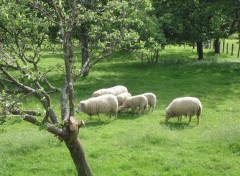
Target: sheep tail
199,110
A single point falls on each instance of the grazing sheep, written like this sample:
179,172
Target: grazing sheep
122,97
151,100
187,106
134,102
96,105
116,90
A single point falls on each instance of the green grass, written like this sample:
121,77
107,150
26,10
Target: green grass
142,145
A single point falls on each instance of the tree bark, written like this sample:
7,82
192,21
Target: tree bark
217,46
84,45
200,50
76,150
75,147
68,55
72,141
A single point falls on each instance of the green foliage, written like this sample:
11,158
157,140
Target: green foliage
194,21
141,144
19,23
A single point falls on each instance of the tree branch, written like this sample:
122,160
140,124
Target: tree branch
16,82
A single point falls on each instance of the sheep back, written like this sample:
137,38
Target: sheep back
102,92
122,97
119,89
152,100
116,90
134,102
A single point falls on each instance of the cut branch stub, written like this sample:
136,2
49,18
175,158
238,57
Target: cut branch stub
74,126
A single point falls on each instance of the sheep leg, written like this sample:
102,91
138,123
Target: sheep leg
133,109
190,118
98,116
149,108
153,108
145,108
197,119
90,117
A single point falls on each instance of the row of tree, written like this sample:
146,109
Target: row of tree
100,27
197,21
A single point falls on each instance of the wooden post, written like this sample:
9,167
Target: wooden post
238,49
157,55
227,48
223,46
232,50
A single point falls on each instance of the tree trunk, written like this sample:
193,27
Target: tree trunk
74,145
200,50
68,56
84,45
78,156
72,141
217,46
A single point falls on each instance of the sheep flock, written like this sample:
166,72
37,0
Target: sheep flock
116,100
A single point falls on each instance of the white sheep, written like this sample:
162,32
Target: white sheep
96,105
186,106
151,100
134,102
116,90
122,97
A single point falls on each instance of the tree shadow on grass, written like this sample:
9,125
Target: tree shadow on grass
97,122
176,125
129,116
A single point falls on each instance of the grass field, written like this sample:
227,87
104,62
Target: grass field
141,145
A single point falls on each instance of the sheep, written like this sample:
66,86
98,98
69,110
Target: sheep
122,97
187,106
151,100
102,104
116,90
134,102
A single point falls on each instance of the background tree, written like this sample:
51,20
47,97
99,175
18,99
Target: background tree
195,21
108,27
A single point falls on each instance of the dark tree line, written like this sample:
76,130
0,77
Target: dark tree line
198,21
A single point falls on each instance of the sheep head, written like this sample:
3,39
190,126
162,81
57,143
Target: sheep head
81,106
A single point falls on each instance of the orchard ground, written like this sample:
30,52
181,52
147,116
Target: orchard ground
142,145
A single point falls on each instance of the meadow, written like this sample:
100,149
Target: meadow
141,145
